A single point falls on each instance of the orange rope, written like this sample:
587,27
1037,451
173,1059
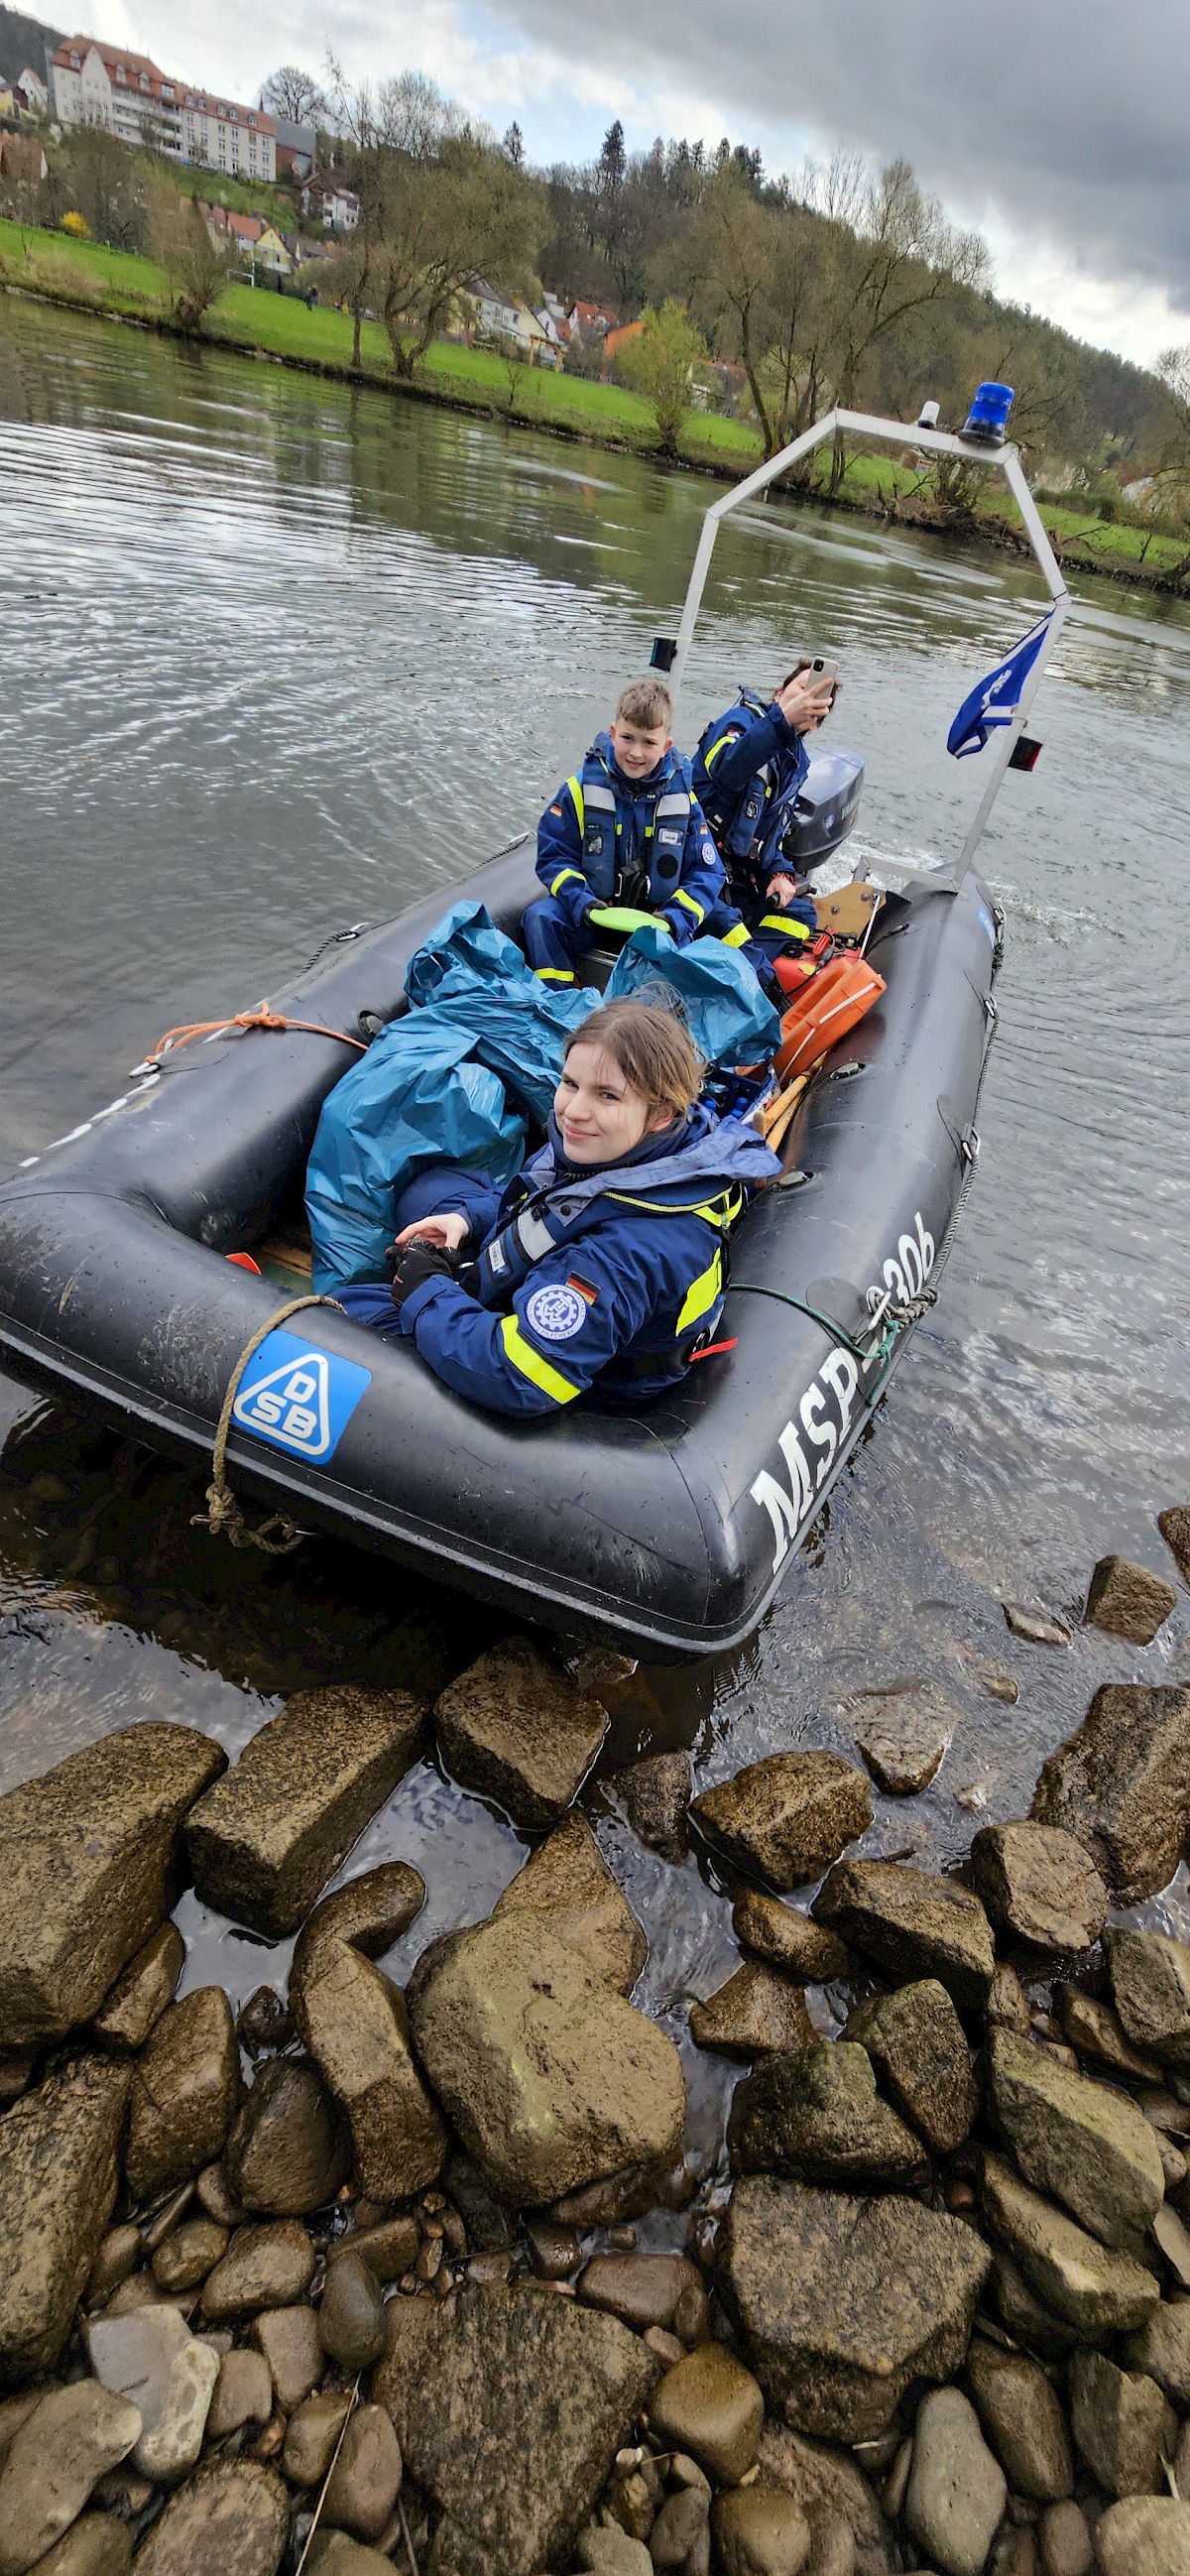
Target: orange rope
261,1019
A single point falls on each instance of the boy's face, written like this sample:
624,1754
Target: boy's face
637,750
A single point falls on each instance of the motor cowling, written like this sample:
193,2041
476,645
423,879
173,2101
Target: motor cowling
826,807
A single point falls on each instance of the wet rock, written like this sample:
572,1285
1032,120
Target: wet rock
366,2476
710,2406
828,2485
185,2092
97,2545
333,2554
355,2024
215,2197
842,2302
86,1863
1007,2003
610,2552
1121,1785
1096,2031
118,2255
389,2249
756,2013
832,2548
1161,2351
1122,2424
681,2522
1065,2540
567,1884
185,2257
1085,2144
816,2116
1028,1619
1022,2419
654,1795
912,1925
509,2407
264,2267
1150,1980
1038,1883
168,2374
292,2346
516,1727
142,1990
1128,1601
902,1735
641,2289
313,2431
287,2152
1144,2536
787,1817
1174,1526
265,1840
232,2514
243,2394
61,2451
761,2532
551,2080
1025,2316
58,2178
787,1939
351,2318
1098,2292
369,1914
957,2491
915,2041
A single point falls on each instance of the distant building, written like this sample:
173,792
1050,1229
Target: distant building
219,135
250,236
619,338
592,321
297,147
32,89
100,84
335,207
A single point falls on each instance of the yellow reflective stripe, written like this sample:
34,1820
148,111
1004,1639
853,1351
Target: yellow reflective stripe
703,1293
717,1212
554,974
779,921
580,803
562,875
691,903
532,1365
717,747
737,938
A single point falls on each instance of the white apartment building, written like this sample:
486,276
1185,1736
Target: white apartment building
100,84
223,136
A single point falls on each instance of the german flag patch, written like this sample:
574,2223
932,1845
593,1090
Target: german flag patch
583,1288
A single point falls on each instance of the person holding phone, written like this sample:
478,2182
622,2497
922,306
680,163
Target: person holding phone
748,768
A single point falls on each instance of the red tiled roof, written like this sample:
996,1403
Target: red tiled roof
184,94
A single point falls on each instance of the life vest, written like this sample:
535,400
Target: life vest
749,828
829,1004
633,840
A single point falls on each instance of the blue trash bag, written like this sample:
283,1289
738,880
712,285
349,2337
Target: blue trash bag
722,1003
520,1027
417,1097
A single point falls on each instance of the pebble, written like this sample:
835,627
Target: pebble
787,1938
1173,2237
314,2429
189,2254
118,2256
243,2394
761,2532
169,2375
59,2453
333,2554
288,2151
233,2515
832,2546
217,2198
143,1990
641,2289
1128,1601
156,2228
263,2023
185,2092
1065,2540
957,2491
1144,2536
389,2247
264,2267
98,2545
556,2250
1037,1625
897,2481
366,2477
292,2347
668,2347
709,2405
612,2553
681,2521
351,2318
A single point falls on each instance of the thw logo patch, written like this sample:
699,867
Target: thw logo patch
299,1399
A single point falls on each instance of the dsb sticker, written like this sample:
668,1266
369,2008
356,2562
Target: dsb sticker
297,1398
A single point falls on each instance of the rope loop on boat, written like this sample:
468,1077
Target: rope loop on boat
261,1019
224,1515
894,1315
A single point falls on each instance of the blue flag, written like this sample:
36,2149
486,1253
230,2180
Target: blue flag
996,699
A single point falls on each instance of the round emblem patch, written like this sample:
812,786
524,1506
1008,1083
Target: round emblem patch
556,1313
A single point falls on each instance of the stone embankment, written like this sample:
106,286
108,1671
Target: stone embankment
354,2281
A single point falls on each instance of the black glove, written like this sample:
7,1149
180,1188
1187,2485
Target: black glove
772,988
420,1261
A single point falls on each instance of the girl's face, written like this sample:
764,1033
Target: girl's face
599,1113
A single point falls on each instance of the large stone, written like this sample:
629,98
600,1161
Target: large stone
366,2477
903,1736
709,2407
1122,2424
1099,2293
1161,2350
87,1871
58,2179
370,1913
842,2302
233,2514
787,1817
61,2451
787,1939
1040,1884
264,2267
1174,1526
957,2491
551,2080
915,2041
265,1840
152,2359
568,1880
1094,2030
757,2012
827,2482
816,2116
287,2152
761,2532
1085,2144
98,2544
1022,2419
1121,1785
1150,1980
654,1795
912,1925
1144,2536
516,1727
1128,1601
142,1990
1026,2317
355,2024
509,2407
185,2093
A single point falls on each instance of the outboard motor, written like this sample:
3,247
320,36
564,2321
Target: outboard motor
826,807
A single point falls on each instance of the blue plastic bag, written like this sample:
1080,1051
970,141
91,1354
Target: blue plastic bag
417,1097
520,1027
722,1003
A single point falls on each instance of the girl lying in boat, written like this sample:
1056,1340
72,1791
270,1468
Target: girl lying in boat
601,1269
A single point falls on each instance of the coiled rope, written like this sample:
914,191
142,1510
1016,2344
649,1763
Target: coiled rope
224,1515
894,1316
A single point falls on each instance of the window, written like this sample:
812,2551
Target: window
144,80
251,120
166,91
121,74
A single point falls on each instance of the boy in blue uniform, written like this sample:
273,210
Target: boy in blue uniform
747,771
602,1269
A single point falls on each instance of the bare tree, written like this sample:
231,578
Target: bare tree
197,268
296,95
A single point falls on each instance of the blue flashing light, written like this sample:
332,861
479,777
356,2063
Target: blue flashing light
987,419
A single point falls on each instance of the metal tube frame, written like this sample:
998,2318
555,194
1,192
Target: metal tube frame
934,442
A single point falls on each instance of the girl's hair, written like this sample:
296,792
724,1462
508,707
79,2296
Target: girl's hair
796,674
653,1051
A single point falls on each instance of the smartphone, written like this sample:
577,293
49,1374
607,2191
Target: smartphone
821,669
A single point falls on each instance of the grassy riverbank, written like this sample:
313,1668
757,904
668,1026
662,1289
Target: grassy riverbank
124,286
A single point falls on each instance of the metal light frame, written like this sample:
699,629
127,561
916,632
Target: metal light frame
935,442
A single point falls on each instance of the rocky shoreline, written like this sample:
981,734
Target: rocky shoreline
354,2279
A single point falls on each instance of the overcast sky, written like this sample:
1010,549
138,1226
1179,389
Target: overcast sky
1060,127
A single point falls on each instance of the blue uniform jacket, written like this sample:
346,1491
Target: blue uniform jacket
741,742
561,860
641,1266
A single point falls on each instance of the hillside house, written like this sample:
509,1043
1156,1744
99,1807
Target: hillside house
100,84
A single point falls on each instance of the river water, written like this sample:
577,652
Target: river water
280,656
